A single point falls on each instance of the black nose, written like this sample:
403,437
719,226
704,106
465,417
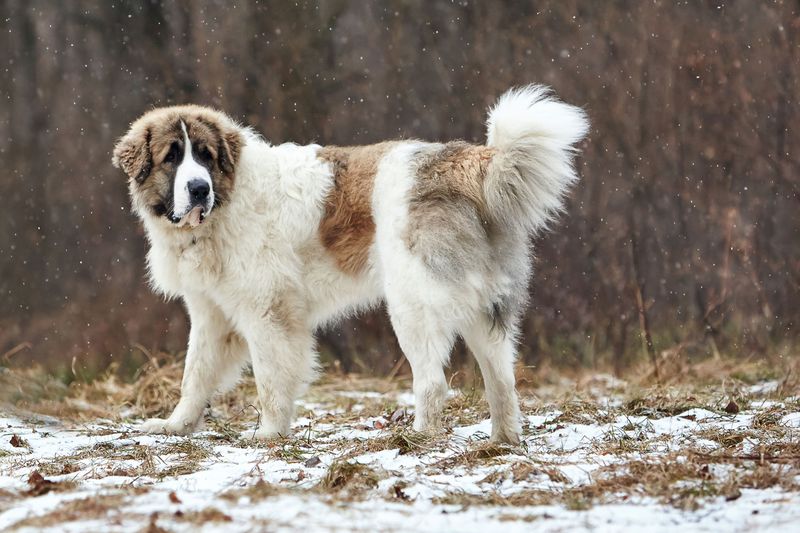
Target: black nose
198,190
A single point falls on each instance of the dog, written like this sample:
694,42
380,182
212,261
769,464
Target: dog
267,244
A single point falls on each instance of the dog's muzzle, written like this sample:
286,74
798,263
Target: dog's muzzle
199,192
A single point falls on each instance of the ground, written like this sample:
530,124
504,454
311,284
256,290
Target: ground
598,453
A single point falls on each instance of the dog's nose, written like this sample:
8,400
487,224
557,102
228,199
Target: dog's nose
198,190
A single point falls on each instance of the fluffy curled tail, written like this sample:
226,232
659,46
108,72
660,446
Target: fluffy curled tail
534,135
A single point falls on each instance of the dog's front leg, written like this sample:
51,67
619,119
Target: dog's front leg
284,363
214,358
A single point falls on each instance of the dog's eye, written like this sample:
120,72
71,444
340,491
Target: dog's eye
204,154
172,155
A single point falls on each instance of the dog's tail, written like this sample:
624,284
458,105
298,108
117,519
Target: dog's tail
534,135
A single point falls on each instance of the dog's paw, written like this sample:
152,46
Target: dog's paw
432,425
506,434
165,427
431,431
269,432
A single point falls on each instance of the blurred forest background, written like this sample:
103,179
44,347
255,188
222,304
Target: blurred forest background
685,226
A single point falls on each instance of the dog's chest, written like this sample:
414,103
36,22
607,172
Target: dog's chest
198,261
185,266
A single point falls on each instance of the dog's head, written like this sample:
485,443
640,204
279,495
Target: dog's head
180,162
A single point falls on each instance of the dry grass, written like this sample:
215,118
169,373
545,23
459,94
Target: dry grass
660,402
728,439
92,508
676,480
158,461
580,411
482,453
523,471
30,386
621,441
203,516
289,449
259,491
769,419
467,407
635,461
403,439
157,388
349,476
188,456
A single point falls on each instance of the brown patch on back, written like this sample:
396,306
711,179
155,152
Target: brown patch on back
347,228
448,227
456,171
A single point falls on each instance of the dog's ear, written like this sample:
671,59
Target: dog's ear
132,154
230,145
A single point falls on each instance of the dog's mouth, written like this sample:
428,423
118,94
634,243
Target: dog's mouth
193,218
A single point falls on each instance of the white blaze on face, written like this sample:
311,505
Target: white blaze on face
190,170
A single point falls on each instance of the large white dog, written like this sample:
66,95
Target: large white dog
266,244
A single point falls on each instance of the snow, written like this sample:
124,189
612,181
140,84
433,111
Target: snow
791,420
106,467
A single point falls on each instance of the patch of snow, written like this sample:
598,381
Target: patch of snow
791,420
764,388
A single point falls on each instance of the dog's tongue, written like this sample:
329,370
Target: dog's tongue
194,216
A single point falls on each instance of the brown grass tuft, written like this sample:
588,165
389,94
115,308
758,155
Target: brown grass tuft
352,476
478,454
260,491
156,389
203,516
578,411
92,508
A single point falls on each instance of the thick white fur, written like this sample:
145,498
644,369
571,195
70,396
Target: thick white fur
535,134
259,259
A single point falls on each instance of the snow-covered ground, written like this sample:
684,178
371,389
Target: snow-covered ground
598,462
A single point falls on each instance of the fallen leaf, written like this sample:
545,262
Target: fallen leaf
398,492
174,497
38,484
312,462
732,408
734,494
18,442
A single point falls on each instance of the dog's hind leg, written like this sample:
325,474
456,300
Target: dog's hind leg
214,360
492,344
426,337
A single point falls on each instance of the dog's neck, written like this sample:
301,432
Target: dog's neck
178,238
